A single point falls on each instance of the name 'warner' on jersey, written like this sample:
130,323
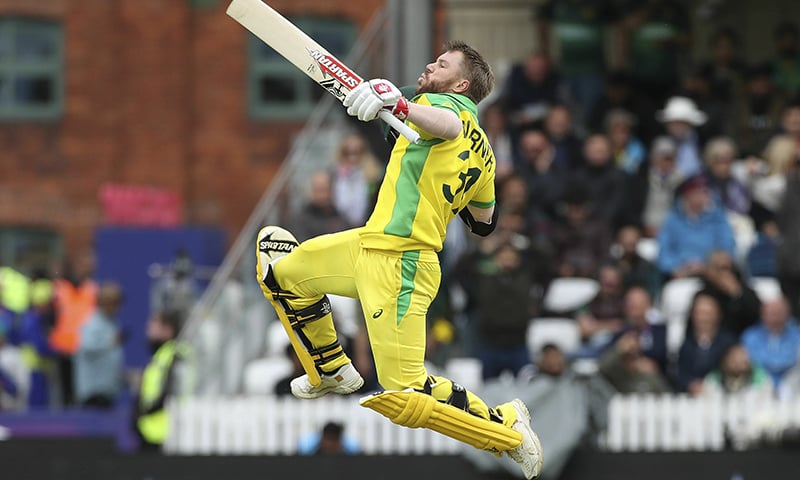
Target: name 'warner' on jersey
428,183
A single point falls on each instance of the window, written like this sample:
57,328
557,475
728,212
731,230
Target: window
27,248
31,69
276,88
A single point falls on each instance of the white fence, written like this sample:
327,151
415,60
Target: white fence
677,422
273,426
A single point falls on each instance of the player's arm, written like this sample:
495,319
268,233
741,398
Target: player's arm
366,101
481,221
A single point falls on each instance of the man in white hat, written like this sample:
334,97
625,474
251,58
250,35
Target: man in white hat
681,117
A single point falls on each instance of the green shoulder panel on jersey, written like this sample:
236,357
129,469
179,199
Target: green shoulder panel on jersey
453,101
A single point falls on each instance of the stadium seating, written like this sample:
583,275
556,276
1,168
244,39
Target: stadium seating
767,288
562,332
567,294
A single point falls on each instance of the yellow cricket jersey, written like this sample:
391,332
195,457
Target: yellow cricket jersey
428,183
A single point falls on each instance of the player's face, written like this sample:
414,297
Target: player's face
442,75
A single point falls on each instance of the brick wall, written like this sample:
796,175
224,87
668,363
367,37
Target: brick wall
154,96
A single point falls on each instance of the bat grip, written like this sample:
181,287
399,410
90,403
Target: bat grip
398,125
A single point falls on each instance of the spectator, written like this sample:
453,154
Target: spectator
552,362
723,281
319,215
694,228
14,375
512,195
8,322
621,94
329,441
787,59
760,260
504,310
767,179
736,375
774,344
682,118
602,319
725,67
495,125
652,191
706,341
560,131
636,270
75,300
654,33
758,110
731,194
606,183
696,85
647,323
579,243
786,218
570,409
578,27
160,379
545,182
354,179
628,151
34,327
98,361
176,289
629,370
532,87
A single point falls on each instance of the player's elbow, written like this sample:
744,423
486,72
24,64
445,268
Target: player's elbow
482,229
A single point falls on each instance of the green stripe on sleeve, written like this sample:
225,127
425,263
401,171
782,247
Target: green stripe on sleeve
408,265
407,198
478,204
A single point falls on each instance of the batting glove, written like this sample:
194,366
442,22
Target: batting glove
368,98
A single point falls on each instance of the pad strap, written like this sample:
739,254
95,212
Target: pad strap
299,318
323,355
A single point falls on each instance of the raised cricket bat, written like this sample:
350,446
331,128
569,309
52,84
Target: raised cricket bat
306,54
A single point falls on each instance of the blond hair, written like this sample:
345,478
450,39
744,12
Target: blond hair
779,154
475,69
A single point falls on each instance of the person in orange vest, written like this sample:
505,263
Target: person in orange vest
75,295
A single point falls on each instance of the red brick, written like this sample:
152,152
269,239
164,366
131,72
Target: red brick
154,96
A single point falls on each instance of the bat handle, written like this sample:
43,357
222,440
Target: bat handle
398,125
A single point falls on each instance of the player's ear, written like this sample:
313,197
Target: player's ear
461,86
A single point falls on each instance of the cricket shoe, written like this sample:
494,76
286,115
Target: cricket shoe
343,381
529,453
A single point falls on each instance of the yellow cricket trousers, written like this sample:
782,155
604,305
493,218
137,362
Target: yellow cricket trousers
395,290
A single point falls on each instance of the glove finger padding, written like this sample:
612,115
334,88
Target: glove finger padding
354,93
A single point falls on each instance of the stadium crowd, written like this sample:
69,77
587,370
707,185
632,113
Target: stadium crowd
699,162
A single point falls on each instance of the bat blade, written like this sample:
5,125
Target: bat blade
304,53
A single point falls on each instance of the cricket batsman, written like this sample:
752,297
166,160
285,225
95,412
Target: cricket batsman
391,264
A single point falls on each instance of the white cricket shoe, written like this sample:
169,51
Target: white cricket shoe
343,381
528,454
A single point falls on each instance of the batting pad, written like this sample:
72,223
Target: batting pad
271,244
413,409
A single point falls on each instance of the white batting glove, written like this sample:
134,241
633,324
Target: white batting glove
368,98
